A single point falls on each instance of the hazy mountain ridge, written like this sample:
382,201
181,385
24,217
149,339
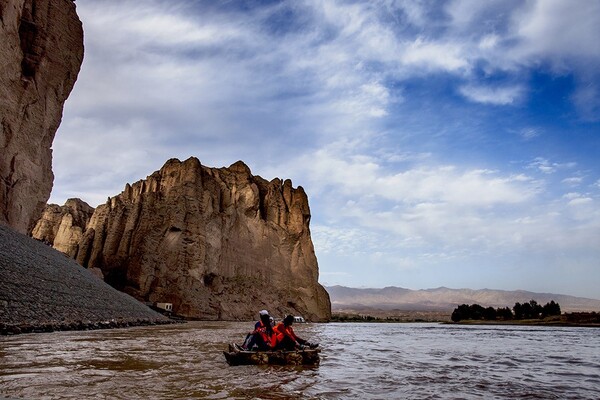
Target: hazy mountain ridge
446,299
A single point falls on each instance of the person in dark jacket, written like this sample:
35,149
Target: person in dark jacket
263,337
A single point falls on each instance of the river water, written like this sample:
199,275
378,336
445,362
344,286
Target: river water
358,361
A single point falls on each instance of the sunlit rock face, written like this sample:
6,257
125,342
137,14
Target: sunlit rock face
63,226
218,243
41,51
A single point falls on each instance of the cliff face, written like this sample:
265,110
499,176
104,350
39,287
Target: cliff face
217,243
41,51
63,226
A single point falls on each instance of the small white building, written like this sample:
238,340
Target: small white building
165,306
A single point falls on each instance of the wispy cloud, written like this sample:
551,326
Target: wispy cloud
435,55
530,133
492,95
573,181
548,167
328,92
587,99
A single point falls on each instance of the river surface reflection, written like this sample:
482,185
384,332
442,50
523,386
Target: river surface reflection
378,361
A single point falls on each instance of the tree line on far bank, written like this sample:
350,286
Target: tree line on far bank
530,310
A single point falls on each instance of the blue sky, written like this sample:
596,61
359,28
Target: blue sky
441,143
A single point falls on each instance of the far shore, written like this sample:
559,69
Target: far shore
529,323
578,319
392,316
575,319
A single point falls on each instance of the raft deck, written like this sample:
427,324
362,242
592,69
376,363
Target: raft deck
235,356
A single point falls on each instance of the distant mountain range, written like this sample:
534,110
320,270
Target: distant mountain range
445,299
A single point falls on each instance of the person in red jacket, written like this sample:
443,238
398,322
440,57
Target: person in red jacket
263,337
287,338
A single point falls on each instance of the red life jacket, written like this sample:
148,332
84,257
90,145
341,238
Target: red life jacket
283,331
271,339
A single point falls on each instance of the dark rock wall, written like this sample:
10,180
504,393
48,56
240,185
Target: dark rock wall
41,51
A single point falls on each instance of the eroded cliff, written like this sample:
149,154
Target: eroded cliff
41,51
63,226
218,243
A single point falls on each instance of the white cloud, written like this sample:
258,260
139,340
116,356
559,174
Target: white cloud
448,212
489,42
572,195
548,167
530,133
511,36
466,13
559,29
364,175
392,157
493,95
580,201
573,181
368,100
432,55
577,199
369,208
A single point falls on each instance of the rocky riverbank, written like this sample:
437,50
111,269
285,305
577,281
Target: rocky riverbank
42,290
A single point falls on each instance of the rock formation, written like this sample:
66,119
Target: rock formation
41,51
218,243
63,226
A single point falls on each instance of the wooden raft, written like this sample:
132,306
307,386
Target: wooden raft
235,356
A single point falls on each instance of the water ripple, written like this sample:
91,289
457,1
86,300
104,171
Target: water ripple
370,361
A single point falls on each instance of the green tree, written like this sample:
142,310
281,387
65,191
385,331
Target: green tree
504,313
460,313
551,309
518,309
489,314
477,311
536,309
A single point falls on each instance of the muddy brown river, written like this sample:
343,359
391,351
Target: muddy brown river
366,361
